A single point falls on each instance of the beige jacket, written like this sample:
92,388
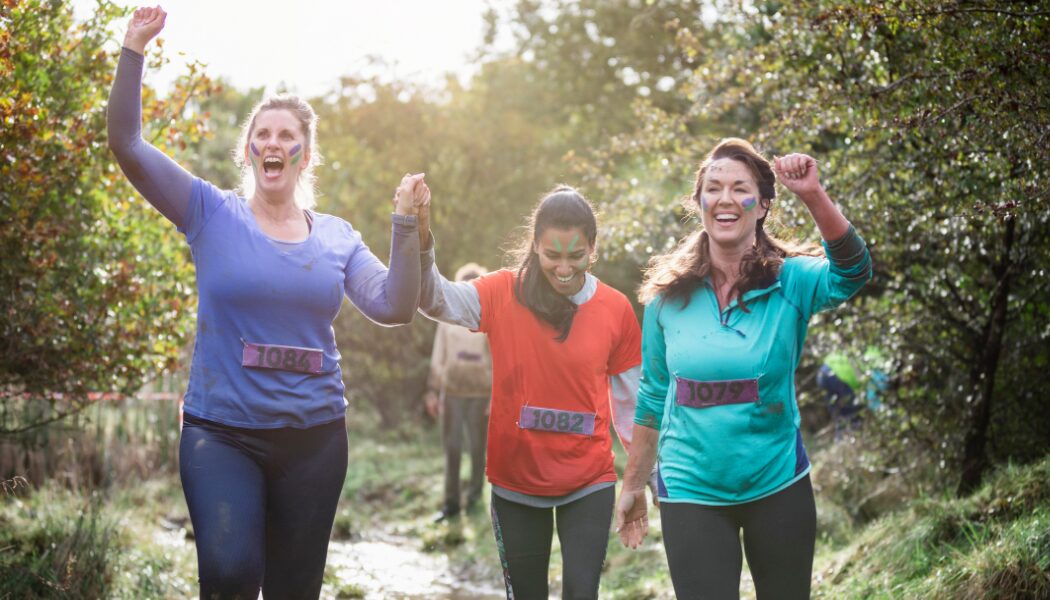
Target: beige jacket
460,364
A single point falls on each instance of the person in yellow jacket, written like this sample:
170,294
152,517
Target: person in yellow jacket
459,390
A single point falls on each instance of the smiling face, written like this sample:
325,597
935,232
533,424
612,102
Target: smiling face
565,256
276,150
730,204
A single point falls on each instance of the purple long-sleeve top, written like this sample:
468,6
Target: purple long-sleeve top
259,293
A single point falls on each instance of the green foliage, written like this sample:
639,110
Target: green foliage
96,285
61,544
54,552
993,544
930,122
208,155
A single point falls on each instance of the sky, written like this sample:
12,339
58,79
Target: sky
308,44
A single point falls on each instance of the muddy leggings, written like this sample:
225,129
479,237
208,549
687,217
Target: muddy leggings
262,502
703,545
524,534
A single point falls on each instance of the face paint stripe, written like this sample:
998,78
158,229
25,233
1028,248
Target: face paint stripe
749,203
575,239
296,148
295,160
255,150
557,245
705,203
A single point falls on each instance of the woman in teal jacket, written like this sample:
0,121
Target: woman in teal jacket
725,320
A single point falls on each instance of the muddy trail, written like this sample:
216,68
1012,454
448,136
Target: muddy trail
385,565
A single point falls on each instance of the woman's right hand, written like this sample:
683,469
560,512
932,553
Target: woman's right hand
145,24
632,517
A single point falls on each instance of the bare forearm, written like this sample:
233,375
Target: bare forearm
829,219
641,458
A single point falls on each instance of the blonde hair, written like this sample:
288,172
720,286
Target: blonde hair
679,272
307,118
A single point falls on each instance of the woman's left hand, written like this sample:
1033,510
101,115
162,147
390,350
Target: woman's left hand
424,217
798,173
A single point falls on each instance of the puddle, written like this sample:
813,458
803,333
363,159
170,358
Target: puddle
393,567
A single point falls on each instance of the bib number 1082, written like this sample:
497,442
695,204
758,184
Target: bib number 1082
556,421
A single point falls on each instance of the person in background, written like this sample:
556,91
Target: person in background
839,381
459,388
848,390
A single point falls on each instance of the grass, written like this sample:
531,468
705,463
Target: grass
129,538
993,544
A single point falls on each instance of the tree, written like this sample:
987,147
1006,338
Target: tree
97,287
930,119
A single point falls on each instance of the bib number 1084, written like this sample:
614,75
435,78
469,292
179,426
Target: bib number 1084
556,421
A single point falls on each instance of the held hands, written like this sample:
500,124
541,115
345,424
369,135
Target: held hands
412,197
798,173
411,194
145,24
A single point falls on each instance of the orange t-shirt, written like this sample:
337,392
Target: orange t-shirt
530,367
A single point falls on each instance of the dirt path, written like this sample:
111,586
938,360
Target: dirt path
388,566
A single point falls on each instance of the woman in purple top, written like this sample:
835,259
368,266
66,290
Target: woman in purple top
263,452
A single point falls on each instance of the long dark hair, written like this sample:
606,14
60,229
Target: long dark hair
562,208
679,272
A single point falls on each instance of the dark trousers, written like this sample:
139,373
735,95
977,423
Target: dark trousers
524,535
262,502
464,413
703,545
841,401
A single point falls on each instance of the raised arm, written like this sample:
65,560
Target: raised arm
160,180
798,173
849,262
390,296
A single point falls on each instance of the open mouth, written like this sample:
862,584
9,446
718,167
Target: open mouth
565,279
273,165
727,218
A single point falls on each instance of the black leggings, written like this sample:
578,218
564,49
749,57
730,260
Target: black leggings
262,502
703,545
523,536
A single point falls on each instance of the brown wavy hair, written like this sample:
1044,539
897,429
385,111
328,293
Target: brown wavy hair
561,208
678,273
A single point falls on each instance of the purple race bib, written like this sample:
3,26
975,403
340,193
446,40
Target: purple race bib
556,421
705,394
284,358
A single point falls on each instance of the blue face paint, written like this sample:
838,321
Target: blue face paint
255,150
705,203
295,149
749,203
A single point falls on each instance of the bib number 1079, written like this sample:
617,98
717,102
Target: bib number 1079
556,421
283,358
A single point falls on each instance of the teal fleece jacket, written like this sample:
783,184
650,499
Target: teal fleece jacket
731,433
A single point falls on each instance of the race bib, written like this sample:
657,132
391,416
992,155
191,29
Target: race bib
556,421
705,394
283,358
